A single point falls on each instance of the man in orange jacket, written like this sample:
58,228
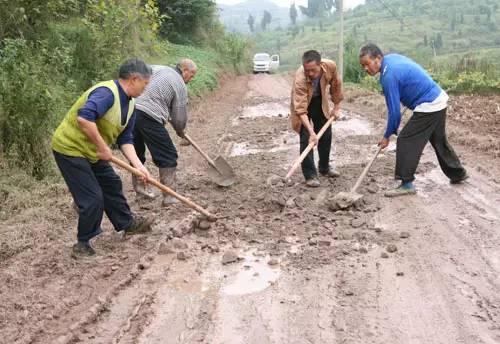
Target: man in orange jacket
309,103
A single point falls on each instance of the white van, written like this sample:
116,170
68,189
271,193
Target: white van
264,63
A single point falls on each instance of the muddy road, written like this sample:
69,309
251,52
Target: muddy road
280,267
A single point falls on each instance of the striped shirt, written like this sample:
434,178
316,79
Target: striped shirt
165,98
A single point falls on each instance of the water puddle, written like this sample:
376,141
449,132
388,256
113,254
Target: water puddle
352,126
254,275
265,110
284,142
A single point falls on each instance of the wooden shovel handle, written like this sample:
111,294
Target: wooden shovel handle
365,171
205,155
301,158
163,188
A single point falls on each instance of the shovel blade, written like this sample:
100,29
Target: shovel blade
223,174
344,200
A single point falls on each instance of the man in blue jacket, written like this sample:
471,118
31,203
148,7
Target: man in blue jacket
404,81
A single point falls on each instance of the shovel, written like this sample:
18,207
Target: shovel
165,189
306,151
220,171
344,200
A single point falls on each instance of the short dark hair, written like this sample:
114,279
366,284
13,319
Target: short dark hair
310,56
133,67
370,49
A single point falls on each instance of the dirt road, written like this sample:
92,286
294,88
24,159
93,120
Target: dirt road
423,269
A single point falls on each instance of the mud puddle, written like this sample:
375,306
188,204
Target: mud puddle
351,126
284,142
254,275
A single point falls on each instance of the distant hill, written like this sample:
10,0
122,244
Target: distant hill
427,30
234,17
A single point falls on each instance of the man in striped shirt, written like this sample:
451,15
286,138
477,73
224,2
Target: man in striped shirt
164,100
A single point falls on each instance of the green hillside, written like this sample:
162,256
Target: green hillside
436,33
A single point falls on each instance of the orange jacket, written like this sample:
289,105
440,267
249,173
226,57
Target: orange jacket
302,91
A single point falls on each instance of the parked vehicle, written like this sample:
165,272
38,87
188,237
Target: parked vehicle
263,63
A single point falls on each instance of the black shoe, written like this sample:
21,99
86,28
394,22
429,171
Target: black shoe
459,180
82,249
140,225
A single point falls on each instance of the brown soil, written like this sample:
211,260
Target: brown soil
422,269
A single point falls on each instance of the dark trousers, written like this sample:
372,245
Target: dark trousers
149,132
95,188
420,129
315,113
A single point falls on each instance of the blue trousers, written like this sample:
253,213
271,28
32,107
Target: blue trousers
96,189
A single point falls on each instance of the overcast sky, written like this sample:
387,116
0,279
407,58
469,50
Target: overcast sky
286,3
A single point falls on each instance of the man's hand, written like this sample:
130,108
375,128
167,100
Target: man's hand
335,112
180,133
313,138
383,143
104,153
145,173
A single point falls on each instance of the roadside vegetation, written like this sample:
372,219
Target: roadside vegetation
51,51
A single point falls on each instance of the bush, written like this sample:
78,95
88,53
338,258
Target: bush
30,104
468,74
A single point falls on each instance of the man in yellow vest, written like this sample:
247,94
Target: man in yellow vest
102,116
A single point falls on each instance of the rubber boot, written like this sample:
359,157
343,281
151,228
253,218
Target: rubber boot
168,178
141,189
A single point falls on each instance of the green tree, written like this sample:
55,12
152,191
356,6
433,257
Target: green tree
266,20
318,8
251,22
293,13
187,20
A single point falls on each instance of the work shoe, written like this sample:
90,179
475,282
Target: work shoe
141,189
168,178
313,183
330,173
459,180
402,190
140,225
82,249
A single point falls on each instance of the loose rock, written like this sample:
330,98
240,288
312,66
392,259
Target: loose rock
165,249
179,244
183,255
229,257
204,225
391,248
404,235
384,255
356,223
273,261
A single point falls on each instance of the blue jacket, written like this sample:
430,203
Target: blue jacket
404,81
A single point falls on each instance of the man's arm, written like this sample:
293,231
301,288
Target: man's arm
98,103
393,102
128,150
89,128
336,91
300,106
178,113
392,99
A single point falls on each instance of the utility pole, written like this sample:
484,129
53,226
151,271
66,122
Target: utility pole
341,43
